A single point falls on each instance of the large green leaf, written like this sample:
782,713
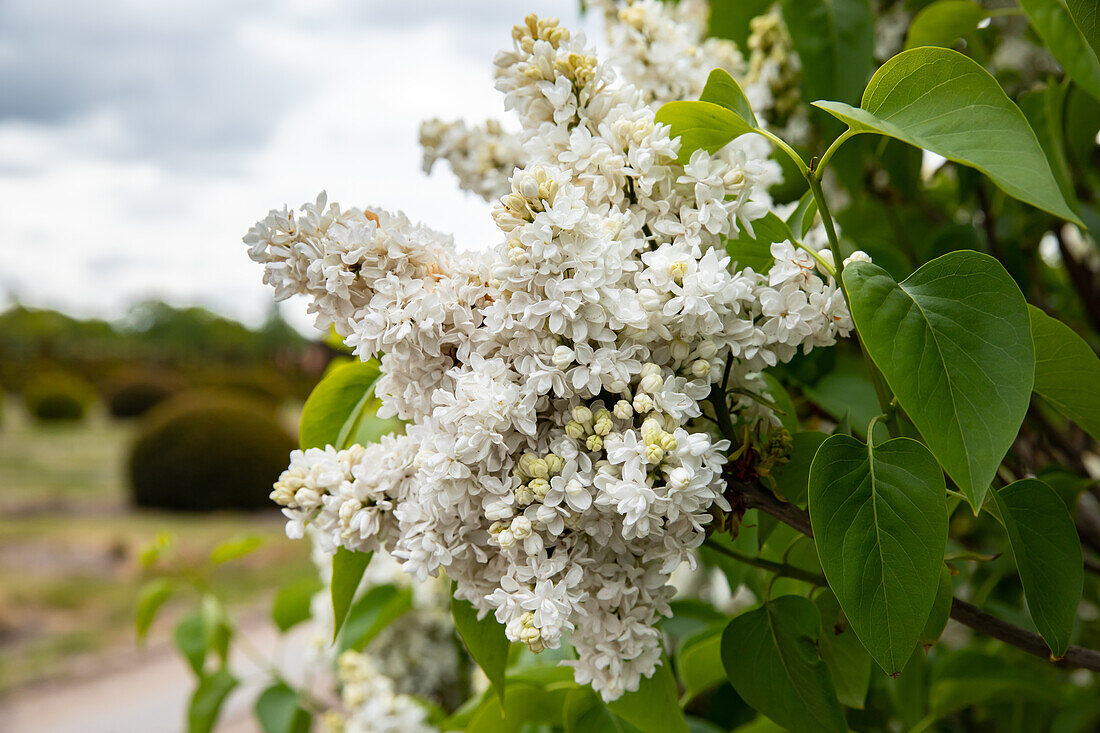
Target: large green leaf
654,707
1067,371
207,700
1048,555
1086,16
792,477
944,22
1054,24
966,678
1044,108
338,405
848,662
278,711
701,125
485,640
953,341
772,660
942,101
835,40
348,567
879,515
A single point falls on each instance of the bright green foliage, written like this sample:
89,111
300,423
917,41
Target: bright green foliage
1067,371
207,700
279,711
772,660
338,406
942,101
152,596
944,22
485,640
291,605
702,125
1048,556
348,567
879,516
954,342
723,90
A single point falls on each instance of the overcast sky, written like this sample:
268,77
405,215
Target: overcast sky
139,140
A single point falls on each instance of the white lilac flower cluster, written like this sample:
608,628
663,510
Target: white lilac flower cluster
555,463
370,703
481,156
659,48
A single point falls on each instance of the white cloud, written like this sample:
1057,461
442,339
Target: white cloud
139,141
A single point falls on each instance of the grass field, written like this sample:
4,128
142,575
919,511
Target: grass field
70,547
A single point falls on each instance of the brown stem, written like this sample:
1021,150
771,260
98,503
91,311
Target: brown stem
1083,279
755,496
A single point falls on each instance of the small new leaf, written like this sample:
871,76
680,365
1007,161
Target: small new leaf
347,571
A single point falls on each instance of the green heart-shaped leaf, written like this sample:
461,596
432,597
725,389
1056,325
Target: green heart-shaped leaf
701,125
1048,556
954,343
1067,371
942,101
772,661
879,515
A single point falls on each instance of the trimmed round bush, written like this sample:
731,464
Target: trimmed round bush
208,451
133,395
57,396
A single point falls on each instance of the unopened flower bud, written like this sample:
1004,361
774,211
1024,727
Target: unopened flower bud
623,410
521,527
706,350
594,443
582,414
539,469
650,383
654,454
857,256
574,429
668,442
539,487
505,538
524,495
650,426
700,367
554,463
680,350
525,462
643,403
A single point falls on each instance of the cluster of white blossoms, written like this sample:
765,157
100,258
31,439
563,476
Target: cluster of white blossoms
370,703
556,463
659,48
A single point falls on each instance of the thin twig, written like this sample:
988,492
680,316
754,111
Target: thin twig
779,568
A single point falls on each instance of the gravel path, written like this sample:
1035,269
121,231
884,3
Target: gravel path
149,693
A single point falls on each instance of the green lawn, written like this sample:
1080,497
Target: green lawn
70,546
